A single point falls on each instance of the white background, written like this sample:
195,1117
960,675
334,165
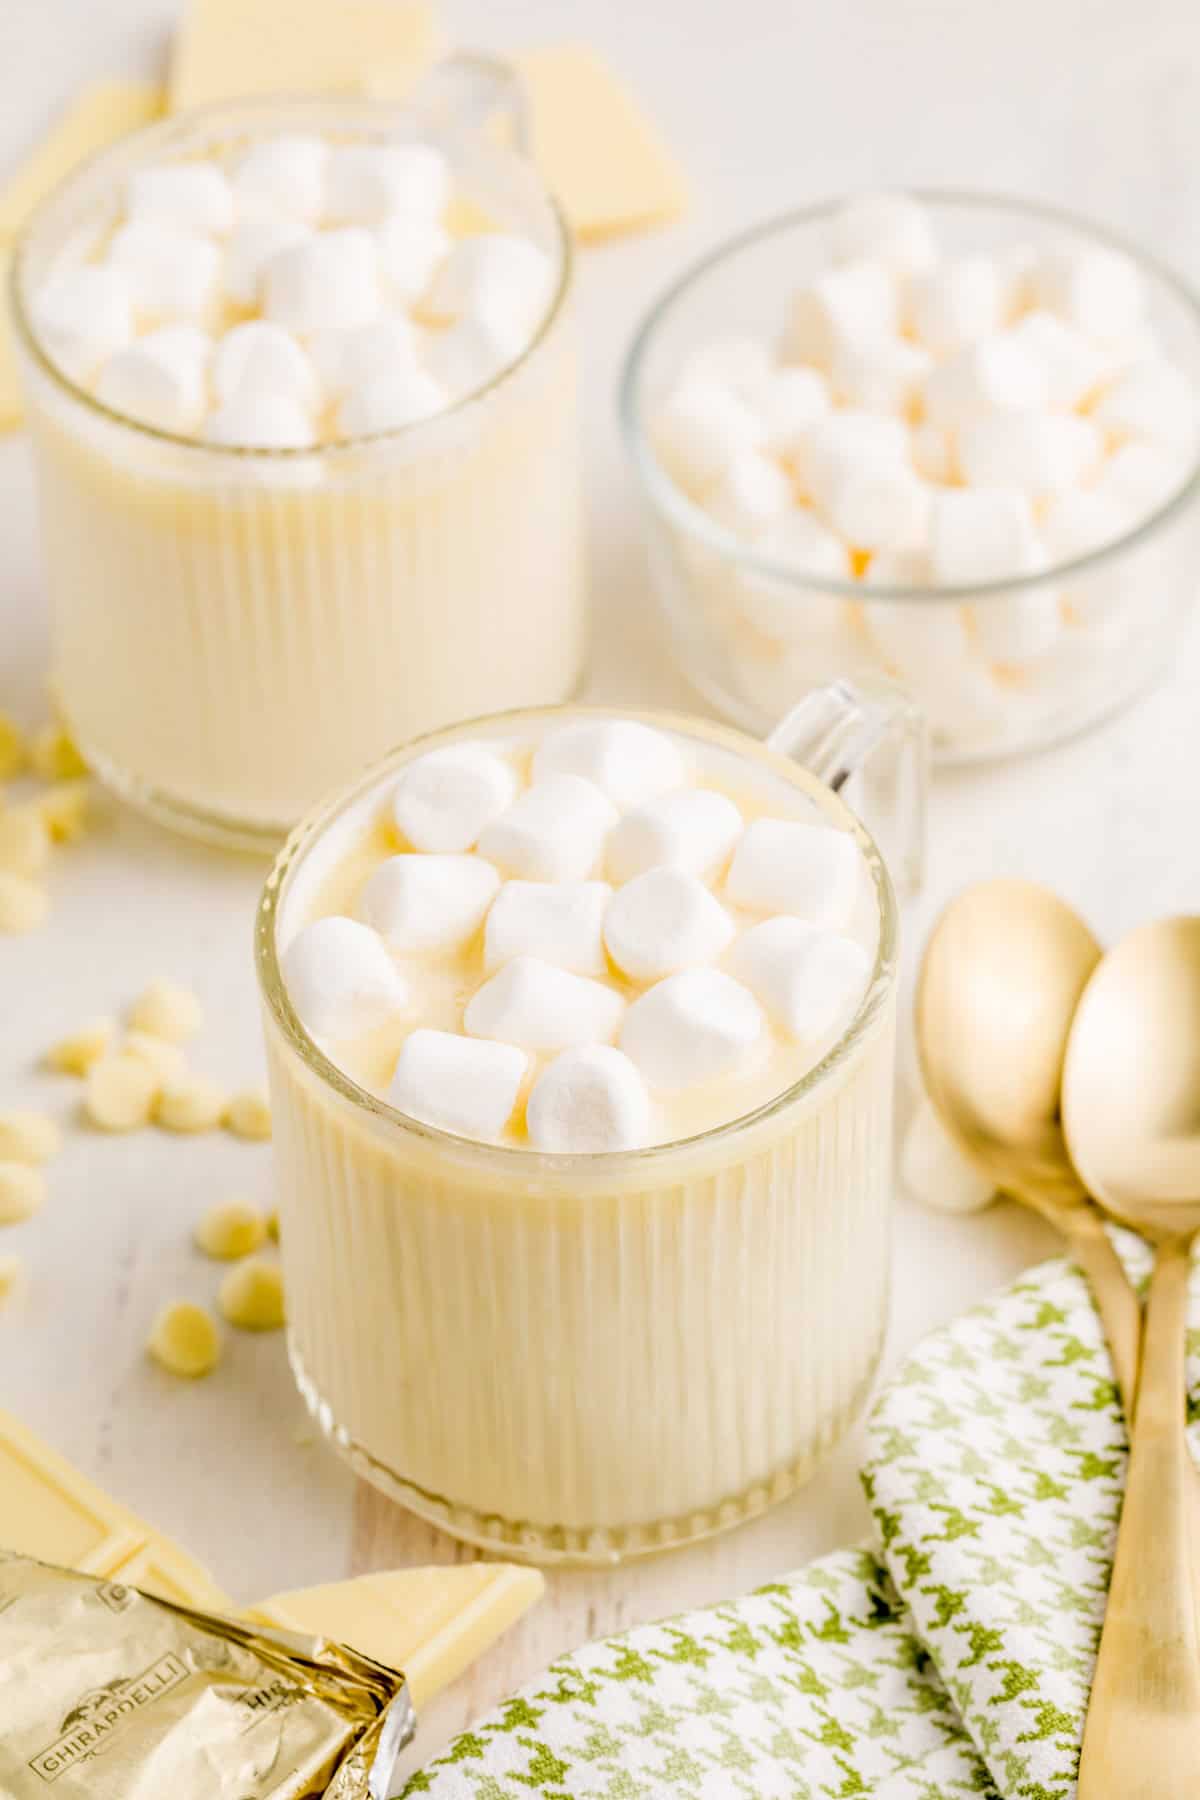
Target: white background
1089,103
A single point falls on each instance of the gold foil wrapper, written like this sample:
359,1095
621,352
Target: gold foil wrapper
108,1694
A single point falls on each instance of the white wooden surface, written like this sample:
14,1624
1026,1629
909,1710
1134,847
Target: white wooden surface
1090,103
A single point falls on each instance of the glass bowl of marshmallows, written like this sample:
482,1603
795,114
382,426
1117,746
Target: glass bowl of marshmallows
950,438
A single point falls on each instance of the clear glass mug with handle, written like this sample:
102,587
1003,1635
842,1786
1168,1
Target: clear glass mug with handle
586,1357
236,631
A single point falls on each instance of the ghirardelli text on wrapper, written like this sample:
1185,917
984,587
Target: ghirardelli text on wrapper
108,1694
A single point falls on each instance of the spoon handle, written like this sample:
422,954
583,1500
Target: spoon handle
1114,1295
1142,1736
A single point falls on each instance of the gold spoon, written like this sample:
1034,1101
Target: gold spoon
1131,1113
998,987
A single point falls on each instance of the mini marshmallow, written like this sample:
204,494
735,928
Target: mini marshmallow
1153,402
410,249
927,646
366,182
934,455
283,175
993,373
850,440
878,508
787,404
171,273
494,276
365,353
751,493
663,921
700,430
691,829
1072,367
789,866
261,358
1098,291
467,357
1037,453
740,364
443,800
554,831
562,922
251,246
161,380
1017,628
955,305
804,544
1139,478
458,1083
628,761
389,402
982,534
934,1170
256,420
331,279
893,229
1015,264
82,316
695,1026
191,196
883,374
428,902
1075,523
532,1003
809,981
588,1101
855,302
340,979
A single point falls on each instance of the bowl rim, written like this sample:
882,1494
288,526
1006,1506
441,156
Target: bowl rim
670,501
179,129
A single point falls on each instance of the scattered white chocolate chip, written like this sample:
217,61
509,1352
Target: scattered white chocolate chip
248,1116
120,1092
230,1229
184,1340
28,1137
64,810
251,1296
935,1171
189,1103
55,756
166,1010
23,904
166,1059
12,1274
24,842
75,1053
22,1191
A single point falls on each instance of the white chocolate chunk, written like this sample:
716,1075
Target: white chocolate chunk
248,1116
692,829
264,358
184,1340
230,1229
589,1100
189,1104
328,280
627,761
494,276
811,982
893,229
166,1010
161,380
788,866
883,374
251,1296
83,315
1072,367
1036,453
857,302
283,175
695,1026
172,274
955,304
752,492
23,904
340,979
410,249
75,1053
663,921
1096,290
119,1093
189,196
1152,402
560,922
366,182
935,1171
428,902
24,841
251,246
700,430
28,1137
555,830
458,1083
982,534
443,800
22,1191
533,1004
991,374
388,403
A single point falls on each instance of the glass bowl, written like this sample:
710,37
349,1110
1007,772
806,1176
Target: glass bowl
751,632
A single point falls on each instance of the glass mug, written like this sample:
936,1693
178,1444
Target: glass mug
237,631
587,1357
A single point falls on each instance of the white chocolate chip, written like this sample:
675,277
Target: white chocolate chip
251,1296
28,1137
166,1010
935,1171
12,1274
23,905
229,1230
190,1103
24,841
22,1191
166,1059
76,1053
64,811
184,1340
119,1093
248,1116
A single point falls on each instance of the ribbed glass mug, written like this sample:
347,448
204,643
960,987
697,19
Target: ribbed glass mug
237,631
587,1357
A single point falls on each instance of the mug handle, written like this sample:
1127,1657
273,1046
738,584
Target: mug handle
873,730
468,95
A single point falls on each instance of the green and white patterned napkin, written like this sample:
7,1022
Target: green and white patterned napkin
952,1659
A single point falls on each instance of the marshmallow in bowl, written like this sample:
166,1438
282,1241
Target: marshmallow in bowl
892,229
988,376
751,494
410,249
955,304
627,761
857,302
790,866
161,379
693,1027
1098,291
663,921
83,315
1035,453
539,1006
1150,402
880,375
172,273
589,1100
257,419
364,183
688,828
323,281
340,978
493,275
251,247
700,430
283,178
443,800
259,357
554,831
389,402
810,981
428,902
982,535
459,1084
191,196
562,922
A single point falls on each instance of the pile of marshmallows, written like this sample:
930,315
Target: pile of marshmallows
573,965
308,293
930,422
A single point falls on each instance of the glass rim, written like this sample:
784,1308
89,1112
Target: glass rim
519,1160
212,116
671,502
